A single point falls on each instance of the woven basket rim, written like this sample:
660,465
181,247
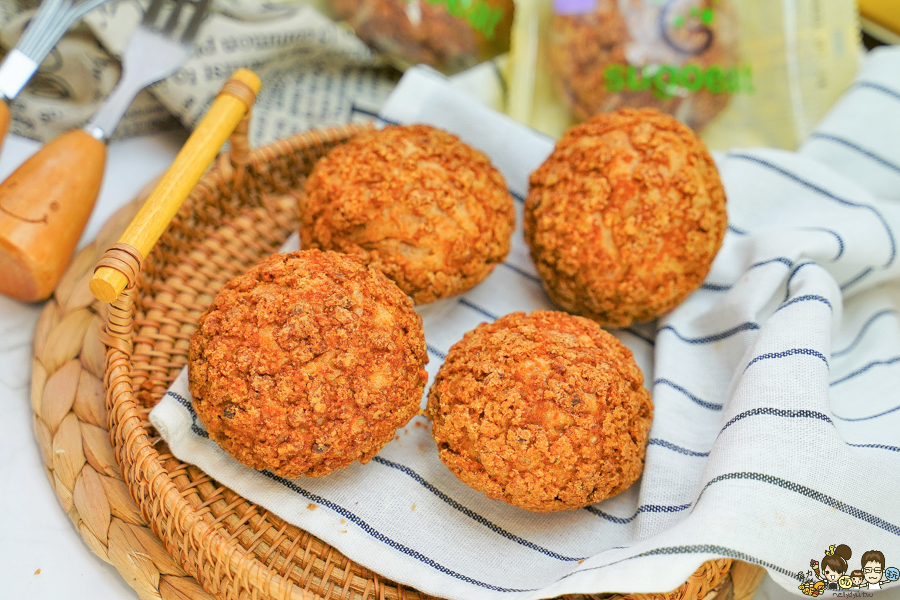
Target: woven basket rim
190,529
143,465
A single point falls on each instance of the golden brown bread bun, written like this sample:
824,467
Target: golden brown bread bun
625,217
416,203
306,363
544,411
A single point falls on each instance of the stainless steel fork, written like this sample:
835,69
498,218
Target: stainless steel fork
156,49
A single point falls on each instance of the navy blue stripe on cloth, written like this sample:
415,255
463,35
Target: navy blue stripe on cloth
715,337
778,259
693,549
809,493
737,231
435,351
787,353
674,448
796,269
721,287
777,412
184,402
359,522
861,370
640,335
864,329
806,298
522,272
676,387
834,233
878,446
823,192
478,309
808,414
715,287
856,148
878,88
644,508
517,197
719,550
855,279
472,514
187,404
354,109
875,416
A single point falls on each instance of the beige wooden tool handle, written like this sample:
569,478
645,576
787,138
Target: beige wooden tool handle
44,206
232,104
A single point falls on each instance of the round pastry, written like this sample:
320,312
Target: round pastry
416,203
307,362
544,411
680,57
625,217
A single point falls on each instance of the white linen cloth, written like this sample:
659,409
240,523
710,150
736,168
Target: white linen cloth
775,432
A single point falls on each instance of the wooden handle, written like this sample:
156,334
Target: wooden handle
44,206
190,164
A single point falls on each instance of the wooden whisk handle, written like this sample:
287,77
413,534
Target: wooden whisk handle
112,275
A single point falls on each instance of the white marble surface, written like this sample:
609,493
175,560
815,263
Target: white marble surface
35,533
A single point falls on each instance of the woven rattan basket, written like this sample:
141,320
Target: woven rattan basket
170,530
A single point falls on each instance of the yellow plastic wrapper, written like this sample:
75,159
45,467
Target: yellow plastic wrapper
883,14
742,72
449,35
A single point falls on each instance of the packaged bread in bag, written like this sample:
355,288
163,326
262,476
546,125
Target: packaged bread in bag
742,72
679,56
449,35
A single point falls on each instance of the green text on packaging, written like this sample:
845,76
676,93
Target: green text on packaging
477,13
669,81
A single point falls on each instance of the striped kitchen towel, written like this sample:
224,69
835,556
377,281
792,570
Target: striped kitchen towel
775,434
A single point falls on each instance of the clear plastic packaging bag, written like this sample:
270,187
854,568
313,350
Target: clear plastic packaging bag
743,72
679,56
449,35
803,54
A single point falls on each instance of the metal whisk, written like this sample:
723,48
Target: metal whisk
50,22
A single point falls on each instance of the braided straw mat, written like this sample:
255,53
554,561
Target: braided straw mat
170,530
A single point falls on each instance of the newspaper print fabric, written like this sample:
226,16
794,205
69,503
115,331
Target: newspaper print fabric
313,71
775,428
